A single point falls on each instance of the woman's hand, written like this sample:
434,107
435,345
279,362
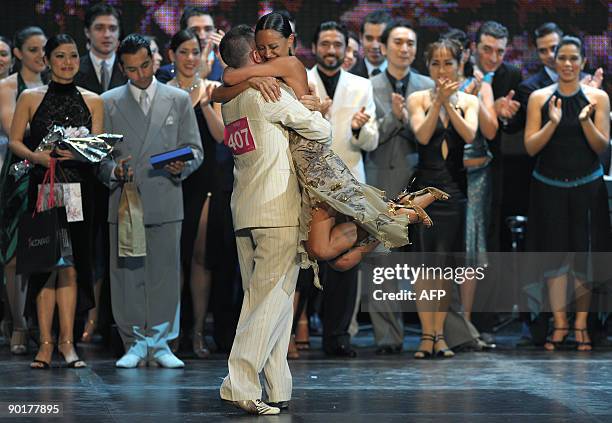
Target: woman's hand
206,96
267,86
64,154
554,110
587,112
41,158
446,88
312,102
207,62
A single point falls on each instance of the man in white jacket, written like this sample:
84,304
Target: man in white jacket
349,106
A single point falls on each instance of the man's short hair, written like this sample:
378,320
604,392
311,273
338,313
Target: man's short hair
132,45
546,29
375,18
191,11
99,9
236,45
493,29
331,26
396,23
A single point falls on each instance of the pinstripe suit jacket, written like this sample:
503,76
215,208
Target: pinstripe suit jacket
266,192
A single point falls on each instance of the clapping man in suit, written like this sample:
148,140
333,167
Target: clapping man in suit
351,111
374,61
265,208
391,165
153,118
201,22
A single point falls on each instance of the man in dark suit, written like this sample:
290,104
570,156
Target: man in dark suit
201,22
491,43
99,70
374,61
392,164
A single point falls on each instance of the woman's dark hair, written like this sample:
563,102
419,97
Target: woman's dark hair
462,38
569,40
445,44
132,44
8,42
24,34
276,22
56,41
182,36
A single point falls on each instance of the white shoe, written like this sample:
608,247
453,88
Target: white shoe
257,407
128,361
169,361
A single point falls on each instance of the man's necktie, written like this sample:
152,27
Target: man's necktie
399,87
144,102
104,76
375,72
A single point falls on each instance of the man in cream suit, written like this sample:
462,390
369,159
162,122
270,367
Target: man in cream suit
265,208
391,165
153,118
350,108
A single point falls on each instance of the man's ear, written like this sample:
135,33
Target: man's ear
383,49
256,57
86,32
121,68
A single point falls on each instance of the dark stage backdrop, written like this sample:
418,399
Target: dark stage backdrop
588,19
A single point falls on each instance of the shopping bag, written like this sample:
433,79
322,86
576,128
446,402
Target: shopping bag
131,237
67,195
43,242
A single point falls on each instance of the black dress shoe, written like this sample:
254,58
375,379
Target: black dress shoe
389,349
283,405
342,351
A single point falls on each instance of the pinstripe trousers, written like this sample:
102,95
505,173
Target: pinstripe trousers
269,269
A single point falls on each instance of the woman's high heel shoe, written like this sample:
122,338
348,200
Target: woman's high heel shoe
88,332
422,216
74,364
19,342
552,345
423,354
37,364
421,198
583,346
200,349
443,352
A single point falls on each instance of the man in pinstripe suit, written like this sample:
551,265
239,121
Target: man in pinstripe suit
265,208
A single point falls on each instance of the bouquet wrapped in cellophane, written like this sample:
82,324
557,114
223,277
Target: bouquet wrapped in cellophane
84,147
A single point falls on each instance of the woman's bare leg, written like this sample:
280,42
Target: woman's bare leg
583,302
557,294
66,298
327,240
200,284
45,307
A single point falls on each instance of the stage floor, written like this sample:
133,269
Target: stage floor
506,385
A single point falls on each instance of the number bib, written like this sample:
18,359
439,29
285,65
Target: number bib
238,137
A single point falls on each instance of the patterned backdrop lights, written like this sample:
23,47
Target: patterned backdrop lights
587,19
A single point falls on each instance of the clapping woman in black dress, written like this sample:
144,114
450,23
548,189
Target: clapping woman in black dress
59,103
443,119
568,125
198,188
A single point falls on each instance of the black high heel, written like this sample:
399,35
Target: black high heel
40,364
556,344
583,344
444,352
74,364
424,354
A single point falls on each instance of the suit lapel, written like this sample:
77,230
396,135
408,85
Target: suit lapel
160,107
319,83
91,79
339,94
132,113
